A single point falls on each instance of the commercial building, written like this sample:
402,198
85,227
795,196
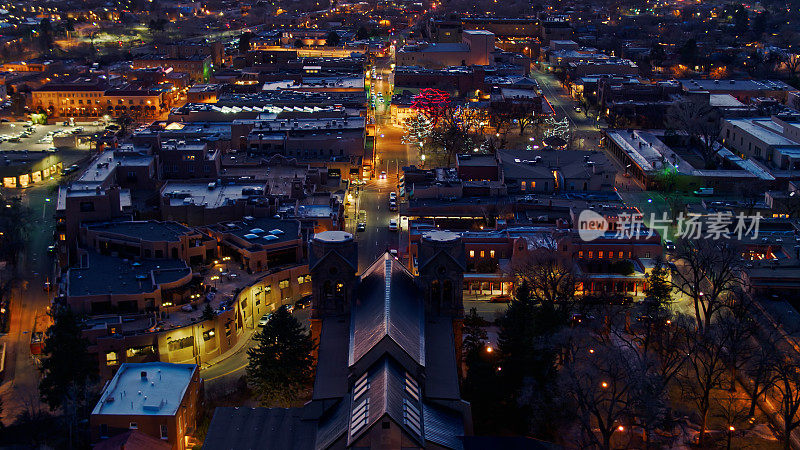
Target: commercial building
774,141
88,97
160,400
149,239
646,158
104,284
260,243
476,48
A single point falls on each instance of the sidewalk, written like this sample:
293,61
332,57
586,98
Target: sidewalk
236,349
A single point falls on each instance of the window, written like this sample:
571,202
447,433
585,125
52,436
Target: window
307,279
112,358
472,253
483,254
522,185
491,253
178,344
600,255
580,254
136,351
646,254
620,255
164,432
267,289
300,280
207,335
87,206
134,426
103,430
243,303
283,284
590,254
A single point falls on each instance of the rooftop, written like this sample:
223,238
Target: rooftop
201,193
150,230
262,230
735,85
146,389
109,275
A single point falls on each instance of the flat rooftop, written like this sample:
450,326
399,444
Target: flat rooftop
146,389
199,193
150,230
109,275
262,230
735,85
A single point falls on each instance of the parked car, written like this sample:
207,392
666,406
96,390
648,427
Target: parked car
392,224
392,205
383,175
303,303
669,245
264,320
704,192
503,298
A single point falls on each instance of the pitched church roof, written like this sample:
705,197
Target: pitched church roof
388,307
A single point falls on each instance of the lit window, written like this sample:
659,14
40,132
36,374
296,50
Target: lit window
590,254
522,185
111,358
483,254
472,253
300,280
491,253
283,284
646,254
620,255
600,255
580,254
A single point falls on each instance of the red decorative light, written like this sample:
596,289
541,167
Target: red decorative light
432,103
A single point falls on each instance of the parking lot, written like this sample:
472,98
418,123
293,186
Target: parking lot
39,137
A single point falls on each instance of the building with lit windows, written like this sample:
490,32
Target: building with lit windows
159,400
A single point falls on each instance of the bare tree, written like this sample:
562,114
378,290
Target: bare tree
551,279
701,123
704,370
760,368
787,386
792,62
600,381
707,271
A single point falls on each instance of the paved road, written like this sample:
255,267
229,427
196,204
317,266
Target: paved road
584,127
19,388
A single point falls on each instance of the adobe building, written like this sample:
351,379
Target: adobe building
160,400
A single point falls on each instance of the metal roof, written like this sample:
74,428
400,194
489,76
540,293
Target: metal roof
388,305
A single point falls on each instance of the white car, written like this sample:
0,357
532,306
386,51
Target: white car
383,175
392,224
393,195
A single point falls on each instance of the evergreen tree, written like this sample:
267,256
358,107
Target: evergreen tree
67,368
280,365
333,39
474,333
244,42
658,295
